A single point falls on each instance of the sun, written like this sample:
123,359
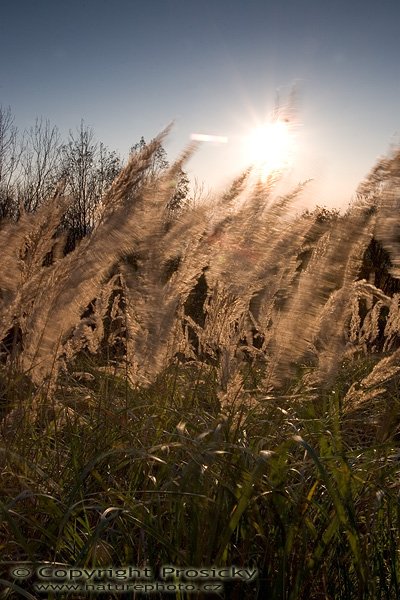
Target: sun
269,147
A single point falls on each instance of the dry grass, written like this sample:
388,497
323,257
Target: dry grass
108,344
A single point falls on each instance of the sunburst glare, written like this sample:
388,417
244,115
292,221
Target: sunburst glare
269,147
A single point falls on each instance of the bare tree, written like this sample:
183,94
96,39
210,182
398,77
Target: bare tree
158,163
9,160
88,169
40,161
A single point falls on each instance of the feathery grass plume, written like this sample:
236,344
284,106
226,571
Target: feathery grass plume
373,186
374,385
233,280
392,326
130,179
12,237
387,230
277,272
247,239
193,232
223,325
152,304
369,331
242,244
228,278
331,337
71,284
223,204
24,247
334,264
364,332
43,237
236,237
194,237
90,331
203,225
385,183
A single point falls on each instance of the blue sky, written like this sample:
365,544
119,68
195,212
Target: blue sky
128,68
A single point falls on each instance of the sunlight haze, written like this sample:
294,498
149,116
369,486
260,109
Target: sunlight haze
216,68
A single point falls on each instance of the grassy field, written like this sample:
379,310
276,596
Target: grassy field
210,388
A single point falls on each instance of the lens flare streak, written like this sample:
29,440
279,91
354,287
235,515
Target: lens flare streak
203,137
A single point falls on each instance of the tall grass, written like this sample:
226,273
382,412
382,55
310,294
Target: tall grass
216,386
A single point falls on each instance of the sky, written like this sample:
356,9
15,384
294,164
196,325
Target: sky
129,68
